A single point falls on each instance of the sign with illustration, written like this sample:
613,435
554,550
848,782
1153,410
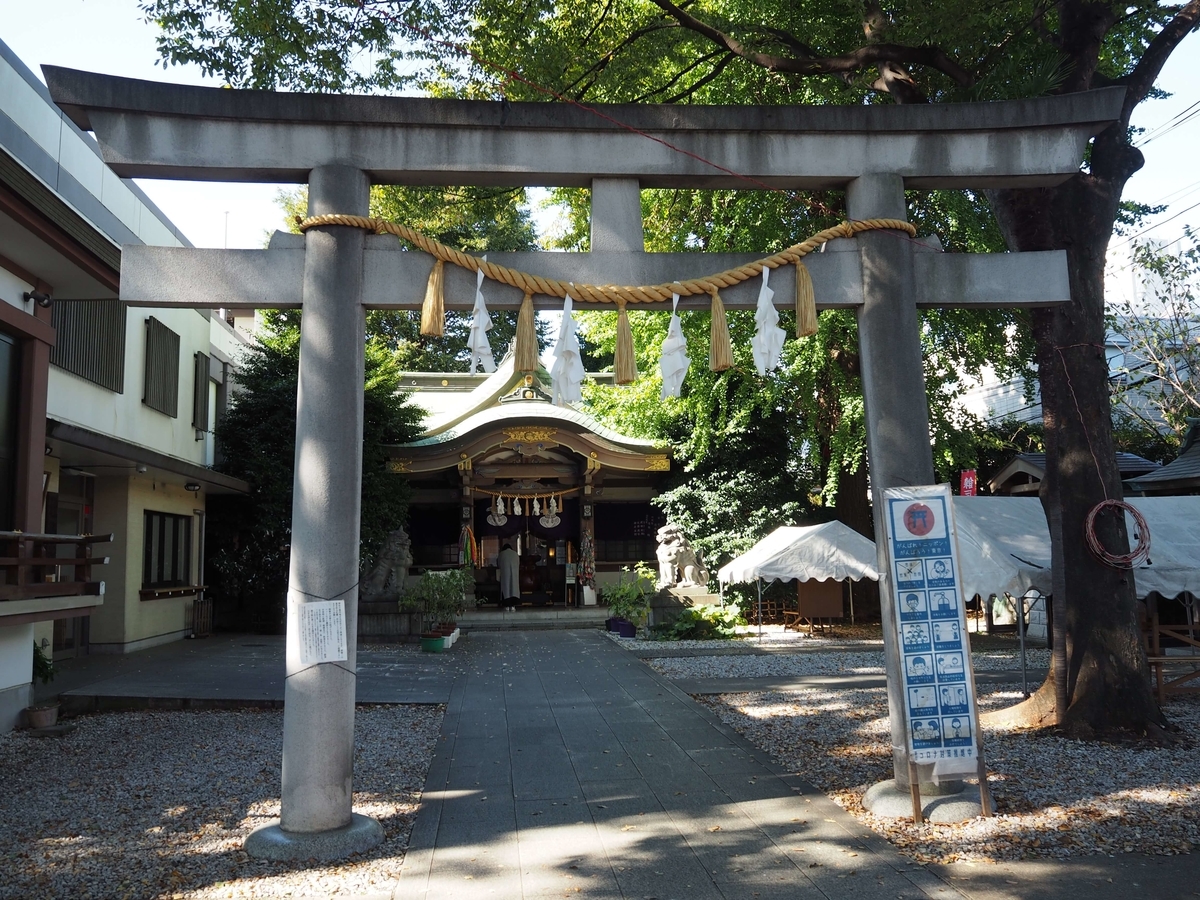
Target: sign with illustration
931,620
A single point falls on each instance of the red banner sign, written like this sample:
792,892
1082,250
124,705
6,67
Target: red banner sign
967,485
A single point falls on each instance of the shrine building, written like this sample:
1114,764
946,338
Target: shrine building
500,459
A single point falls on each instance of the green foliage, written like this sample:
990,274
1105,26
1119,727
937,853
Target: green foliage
628,598
988,449
472,219
305,46
439,594
43,666
759,451
250,536
702,624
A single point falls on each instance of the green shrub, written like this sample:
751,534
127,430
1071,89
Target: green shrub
627,599
704,623
439,594
43,666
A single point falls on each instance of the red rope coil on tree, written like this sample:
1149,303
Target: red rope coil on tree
1129,560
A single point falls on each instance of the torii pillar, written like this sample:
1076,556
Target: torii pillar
318,725
340,145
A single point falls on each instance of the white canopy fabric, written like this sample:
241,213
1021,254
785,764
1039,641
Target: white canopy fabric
1174,524
1004,545
814,552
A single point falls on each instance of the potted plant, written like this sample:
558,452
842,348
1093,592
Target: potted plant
627,602
439,595
42,715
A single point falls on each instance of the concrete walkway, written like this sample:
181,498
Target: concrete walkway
231,671
568,768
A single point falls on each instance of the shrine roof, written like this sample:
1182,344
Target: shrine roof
533,412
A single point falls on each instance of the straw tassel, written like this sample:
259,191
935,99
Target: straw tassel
625,362
433,310
720,351
526,353
806,304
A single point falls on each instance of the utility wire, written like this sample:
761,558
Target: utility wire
1170,125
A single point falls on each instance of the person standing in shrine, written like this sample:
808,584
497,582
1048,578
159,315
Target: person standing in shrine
509,565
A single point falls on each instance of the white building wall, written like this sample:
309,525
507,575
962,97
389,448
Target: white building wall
67,161
25,101
77,401
16,673
11,289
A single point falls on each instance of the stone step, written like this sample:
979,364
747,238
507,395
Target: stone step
533,619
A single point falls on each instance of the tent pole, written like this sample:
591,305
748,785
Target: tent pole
1020,604
850,582
758,581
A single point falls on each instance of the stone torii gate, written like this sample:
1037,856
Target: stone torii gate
340,145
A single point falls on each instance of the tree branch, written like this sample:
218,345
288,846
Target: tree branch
716,70
596,69
872,54
1145,73
799,48
682,73
596,25
1034,22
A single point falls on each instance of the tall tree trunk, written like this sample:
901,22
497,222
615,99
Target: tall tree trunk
1107,681
853,508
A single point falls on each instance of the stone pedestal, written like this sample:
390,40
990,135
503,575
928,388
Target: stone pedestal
668,603
272,842
941,804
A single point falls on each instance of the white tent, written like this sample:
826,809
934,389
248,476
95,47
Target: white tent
1174,565
1004,545
816,552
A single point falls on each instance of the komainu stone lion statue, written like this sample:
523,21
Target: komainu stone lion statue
386,580
678,563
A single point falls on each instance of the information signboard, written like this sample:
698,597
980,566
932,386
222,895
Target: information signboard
939,687
322,632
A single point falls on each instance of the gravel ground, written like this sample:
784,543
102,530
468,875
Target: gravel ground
157,804
1055,797
865,661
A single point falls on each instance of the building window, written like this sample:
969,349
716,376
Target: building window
90,340
200,392
625,532
167,560
161,385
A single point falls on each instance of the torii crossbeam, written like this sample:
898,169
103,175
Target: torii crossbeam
340,145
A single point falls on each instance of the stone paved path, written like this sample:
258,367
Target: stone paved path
567,768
